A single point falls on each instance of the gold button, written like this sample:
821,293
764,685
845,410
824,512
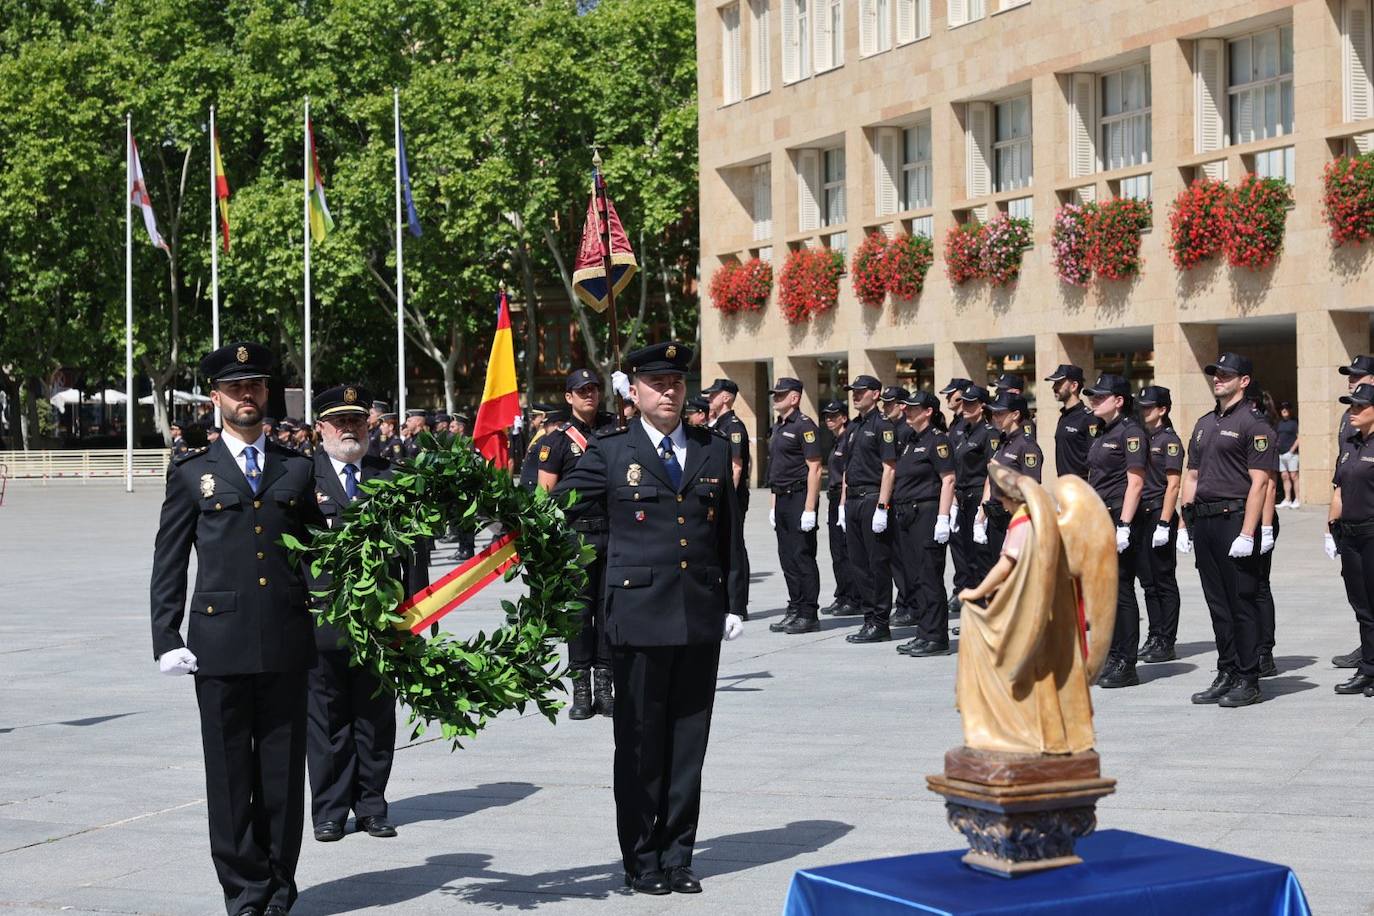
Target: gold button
292,501
684,564
219,506
262,581
257,529
683,542
681,520
636,494
679,497
209,608
261,554
627,582
257,504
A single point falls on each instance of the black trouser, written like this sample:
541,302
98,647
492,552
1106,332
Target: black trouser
969,558
998,520
923,561
1157,568
663,699
797,552
870,556
589,648
845,592
1357,569
1230,586
742,492
1126,631
1264,597
252,729
350,740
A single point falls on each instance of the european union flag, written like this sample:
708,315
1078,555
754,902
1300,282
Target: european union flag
412,217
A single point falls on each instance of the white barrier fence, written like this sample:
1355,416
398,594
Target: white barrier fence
90,464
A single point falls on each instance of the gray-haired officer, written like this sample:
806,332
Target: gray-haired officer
250,640
868,482
1350,524
794,477
847,601
1359,372
1157,564
1228,477
1077,426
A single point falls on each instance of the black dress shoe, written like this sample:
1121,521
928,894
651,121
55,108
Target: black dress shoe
329,831
1244,693
927,648
830,609
1160,651
778,626
1267,668
955,605
1220,687
911,645
651,882
848,610
682,881
1121,674
903,619
870,633
803,623
375,825
1360,683
275,909
1347,661
249,911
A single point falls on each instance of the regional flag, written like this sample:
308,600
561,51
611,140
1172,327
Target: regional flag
221,190
412,217
320,221
500,398
138,193
589,271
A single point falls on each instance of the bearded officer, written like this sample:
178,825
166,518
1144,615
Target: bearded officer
250,639
1077,425
674,577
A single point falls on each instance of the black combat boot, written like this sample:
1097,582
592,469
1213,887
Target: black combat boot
582,695
605,701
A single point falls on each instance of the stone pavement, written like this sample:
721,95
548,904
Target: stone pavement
818,755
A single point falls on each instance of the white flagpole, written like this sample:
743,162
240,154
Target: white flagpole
400,272
214,248
129,399
306,211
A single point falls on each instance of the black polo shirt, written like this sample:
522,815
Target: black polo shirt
872,440
1072,437
1019,452
559,451
738,434
1166,457
957,427
1121,446
794,441
839,457
1354,477
923,458
972,453
1225,447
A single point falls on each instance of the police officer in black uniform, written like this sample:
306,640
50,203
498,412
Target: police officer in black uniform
1351,529
1012,383
847,601
973,449
548,419
952,400
697,412
923,492
388,445
1229,466
868,481
1359,372
417,421
1117,464
250,640
1018,451
893,402
674,576
794,477
589,654
1157,564
1077,426
721,415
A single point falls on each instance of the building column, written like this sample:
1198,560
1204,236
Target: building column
1050,351
881,364
961,360
1182,351
805,370
1326,341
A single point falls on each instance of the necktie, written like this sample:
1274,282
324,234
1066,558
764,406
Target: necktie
670,463
351,481
250,468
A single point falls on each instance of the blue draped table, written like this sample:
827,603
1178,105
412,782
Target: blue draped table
1123,874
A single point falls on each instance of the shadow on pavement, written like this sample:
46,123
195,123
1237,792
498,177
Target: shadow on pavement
1189,649
1161,670
75,723
481,885
447,806
1294,662
1282,686
733,683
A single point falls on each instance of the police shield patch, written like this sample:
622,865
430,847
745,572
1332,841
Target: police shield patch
1132,443
996,444
1030,460
887,435
942,451
737,438
1092,432
1027,430
1261,443
544,453
809,436
1174,449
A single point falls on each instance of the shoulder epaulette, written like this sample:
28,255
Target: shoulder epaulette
189,454
713,430
606,432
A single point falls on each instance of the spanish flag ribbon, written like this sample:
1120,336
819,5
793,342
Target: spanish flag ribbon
429,605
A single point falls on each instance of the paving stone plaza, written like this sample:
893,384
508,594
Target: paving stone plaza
819,752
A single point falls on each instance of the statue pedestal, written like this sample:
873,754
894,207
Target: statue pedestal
1021,813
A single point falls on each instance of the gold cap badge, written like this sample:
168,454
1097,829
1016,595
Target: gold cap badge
671,352
350,395
242,355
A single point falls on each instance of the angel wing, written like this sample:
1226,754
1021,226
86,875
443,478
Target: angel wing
1085,528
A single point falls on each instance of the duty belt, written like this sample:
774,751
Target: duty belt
1152,507
788,488
590,525
914,503
970,492
1343,529
861,492
1217,507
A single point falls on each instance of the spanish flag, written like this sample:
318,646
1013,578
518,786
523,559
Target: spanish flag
221,191
500,398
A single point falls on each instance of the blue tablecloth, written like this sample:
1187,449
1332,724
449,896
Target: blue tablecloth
1123,874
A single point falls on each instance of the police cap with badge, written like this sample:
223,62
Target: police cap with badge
243,360
1066,372
696,406
785,384
921,399
669,357
719,385
1006,401
955,384
893,393
864,383
1111,385
580,378
1010,380
1231,362
834,409
343,401
1154,396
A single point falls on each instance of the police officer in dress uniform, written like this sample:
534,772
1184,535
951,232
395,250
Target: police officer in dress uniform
697,412
1359,372
1229,463
1350,526
351,721
868,480
417,421
721,415
388,445
794,477
249,641
847,601
589,654
973,450
179,446
1018,451
1117,465
1012,383
893,402
1157,565
673,577
1077,426
923,492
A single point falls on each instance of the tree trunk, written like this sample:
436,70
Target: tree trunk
29,423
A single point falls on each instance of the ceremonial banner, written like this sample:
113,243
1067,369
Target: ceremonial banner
429,605
589,270
500,397
138,193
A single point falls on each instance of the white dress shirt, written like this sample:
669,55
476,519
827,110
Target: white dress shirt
678,435
237,446
343,478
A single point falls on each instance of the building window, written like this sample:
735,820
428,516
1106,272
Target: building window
759,78
832,189
962,11
875,26
916,167
762,210
923,225
1125,132
796,40
1012,145
1137,187
732,53
1021,208
829,34
1275,163
913,20
1357,67
1260,85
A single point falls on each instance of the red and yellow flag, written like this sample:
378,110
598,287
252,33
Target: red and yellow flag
221,191
427,606
500,398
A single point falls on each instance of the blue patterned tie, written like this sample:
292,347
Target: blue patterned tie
670,462
351,481
250,468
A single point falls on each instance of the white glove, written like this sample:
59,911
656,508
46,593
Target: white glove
1266,538
808,520
177,661
773,519
734,627
954,518
1185,543
621,383
942,529
879,521
1161,535
980,532
839,517
1123,537
1329,545
1242,546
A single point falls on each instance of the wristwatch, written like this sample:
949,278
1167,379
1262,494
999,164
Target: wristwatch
884,506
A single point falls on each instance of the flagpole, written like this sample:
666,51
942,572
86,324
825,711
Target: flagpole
305,210
604,225
214,251
128,304
400,271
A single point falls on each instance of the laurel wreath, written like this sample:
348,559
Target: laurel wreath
461,684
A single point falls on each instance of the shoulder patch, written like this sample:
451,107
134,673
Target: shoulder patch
1132,443
1030,459
942,450
1261,443
736,438
887,435
808,436
1093,430
544,453
1174,449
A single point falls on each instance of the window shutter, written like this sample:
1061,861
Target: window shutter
1209,77
734,53
820,32
1085,195
868,27
790,57
763,202
957,12
973,9
808,189
887,169
762,61
922,18
979,143
1355,53
906,21
1083,125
